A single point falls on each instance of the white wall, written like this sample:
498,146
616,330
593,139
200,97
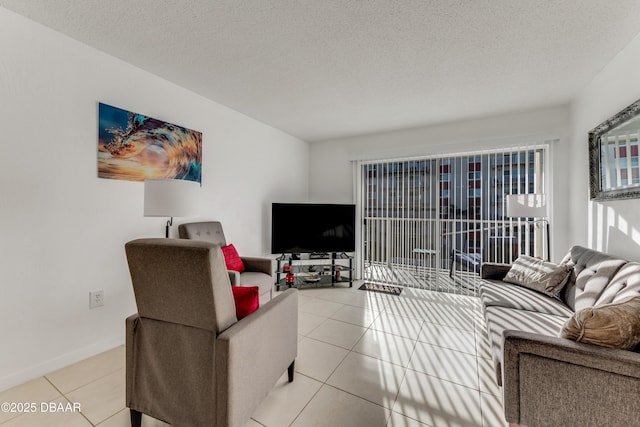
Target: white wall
609,226
62,229
331,173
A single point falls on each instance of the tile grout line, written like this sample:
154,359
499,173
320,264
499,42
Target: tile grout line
312,397
475,342
478,390
424,323
256,421
50,400
352,350
478,357
404,376
110,416
67,399
90,382
324,383
405,368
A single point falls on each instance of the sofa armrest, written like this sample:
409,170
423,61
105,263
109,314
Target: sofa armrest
494,271
258,264
551,381
252,354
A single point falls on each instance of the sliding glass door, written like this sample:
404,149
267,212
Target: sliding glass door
431,222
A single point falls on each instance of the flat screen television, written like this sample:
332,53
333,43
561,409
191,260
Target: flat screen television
308,228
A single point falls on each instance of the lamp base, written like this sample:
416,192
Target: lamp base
166,230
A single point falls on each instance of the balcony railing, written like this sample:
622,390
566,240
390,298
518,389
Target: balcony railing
418,252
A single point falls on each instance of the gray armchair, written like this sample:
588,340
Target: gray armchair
189,361
258,271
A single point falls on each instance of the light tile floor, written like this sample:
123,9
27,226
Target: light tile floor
364,359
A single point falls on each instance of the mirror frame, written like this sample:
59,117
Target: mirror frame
596,192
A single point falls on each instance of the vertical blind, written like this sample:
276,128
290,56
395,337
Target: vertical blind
426,219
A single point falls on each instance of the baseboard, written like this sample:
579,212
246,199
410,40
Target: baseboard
59,362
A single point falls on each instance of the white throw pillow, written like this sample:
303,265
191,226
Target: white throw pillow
538,275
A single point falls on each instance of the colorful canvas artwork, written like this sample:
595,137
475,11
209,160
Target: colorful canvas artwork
135,147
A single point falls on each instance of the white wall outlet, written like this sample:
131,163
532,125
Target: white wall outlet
96,299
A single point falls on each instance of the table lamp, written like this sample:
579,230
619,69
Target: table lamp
533,205
170,198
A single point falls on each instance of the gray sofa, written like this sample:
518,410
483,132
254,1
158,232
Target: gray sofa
552,381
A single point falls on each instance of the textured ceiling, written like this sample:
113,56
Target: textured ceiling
321,69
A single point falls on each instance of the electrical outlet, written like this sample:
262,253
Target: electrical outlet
96,299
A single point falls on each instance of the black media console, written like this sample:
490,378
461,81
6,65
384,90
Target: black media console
315,269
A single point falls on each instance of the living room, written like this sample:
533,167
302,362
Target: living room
64,229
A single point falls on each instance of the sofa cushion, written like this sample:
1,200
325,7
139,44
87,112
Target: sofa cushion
500,319
625,284
247,300
261,280
615,325
538,275
592,272
502,294
232,259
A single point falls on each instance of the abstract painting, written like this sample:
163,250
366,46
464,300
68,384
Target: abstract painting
135,147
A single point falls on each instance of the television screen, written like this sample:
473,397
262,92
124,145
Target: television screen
308,228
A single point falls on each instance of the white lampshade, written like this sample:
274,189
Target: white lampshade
170,197
526,205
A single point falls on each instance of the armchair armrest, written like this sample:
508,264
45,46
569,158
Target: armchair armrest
551,381
494,271
258,264
252,354
255,264
234,277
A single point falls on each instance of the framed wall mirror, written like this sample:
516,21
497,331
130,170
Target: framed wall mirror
613,156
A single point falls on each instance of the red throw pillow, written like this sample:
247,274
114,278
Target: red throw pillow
232,259
247,299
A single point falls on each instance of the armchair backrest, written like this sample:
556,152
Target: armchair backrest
181,281
210,231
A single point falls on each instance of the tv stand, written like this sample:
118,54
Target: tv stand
319,255
314,270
